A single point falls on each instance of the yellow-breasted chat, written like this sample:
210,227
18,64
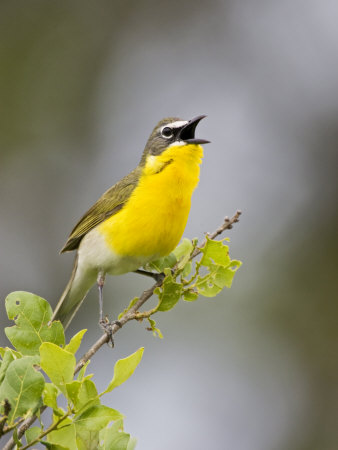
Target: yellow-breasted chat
139,219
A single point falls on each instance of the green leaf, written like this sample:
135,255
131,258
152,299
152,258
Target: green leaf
7,358
225,276
54,447
96,418
114,437
15,354
58,364
206,287
131,304
190,296
124,368
220,269
50,394
75,342
156,331
73,389
31,314
183,249
169,293
87,440
132,443
64,435
163,263
32,433
187,269
22,386
215,252
83,371
16,439
183,252
87,396
217,278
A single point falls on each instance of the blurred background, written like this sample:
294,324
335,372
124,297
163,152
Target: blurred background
82,84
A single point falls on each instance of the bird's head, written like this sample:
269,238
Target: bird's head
170,132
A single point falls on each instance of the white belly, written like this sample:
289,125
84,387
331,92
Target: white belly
95,255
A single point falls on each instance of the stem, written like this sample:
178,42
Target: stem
51,428
227,225
8,428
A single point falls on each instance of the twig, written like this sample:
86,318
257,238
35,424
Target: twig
9,428
3,420
22,429
51,428
131,314
226,225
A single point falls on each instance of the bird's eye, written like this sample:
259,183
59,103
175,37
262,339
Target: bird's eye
167,132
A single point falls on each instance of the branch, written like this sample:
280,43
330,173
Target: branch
131,314
9,428
51,428
3,420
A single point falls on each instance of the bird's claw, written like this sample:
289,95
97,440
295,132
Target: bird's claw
159,277
107,327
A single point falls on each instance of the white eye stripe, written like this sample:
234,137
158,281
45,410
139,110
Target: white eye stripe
177,124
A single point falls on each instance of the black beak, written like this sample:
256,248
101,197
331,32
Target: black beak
187,133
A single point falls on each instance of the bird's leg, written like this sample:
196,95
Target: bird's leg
156,276
100,284
104,322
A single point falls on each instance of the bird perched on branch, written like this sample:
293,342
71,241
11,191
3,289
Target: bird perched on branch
138,220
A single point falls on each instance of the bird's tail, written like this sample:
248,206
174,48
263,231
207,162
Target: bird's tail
75,292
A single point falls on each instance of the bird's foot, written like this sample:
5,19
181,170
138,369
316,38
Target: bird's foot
107,327
158,277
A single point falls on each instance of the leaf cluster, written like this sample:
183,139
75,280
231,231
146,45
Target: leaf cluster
39,372
185,280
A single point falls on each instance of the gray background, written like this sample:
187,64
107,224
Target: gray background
81,86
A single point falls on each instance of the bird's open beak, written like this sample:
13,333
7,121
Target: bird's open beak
187,133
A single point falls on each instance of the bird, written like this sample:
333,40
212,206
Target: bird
139,219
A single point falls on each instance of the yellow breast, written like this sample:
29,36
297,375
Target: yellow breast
152,222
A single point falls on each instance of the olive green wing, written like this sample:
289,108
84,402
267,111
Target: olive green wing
109,204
